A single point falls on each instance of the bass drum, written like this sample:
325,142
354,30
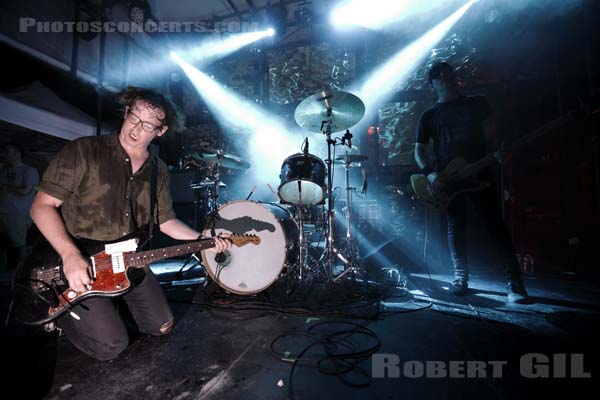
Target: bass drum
252,268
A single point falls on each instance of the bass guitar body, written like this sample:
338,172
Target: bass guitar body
452,182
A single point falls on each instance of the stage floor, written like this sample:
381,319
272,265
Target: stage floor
215,353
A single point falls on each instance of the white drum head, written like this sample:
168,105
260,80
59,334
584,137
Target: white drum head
301,192
251,268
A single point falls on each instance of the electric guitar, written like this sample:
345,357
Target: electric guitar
460,176
42,292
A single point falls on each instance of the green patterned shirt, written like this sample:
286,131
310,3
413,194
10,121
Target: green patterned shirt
102,198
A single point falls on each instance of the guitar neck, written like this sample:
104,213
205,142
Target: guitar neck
143,258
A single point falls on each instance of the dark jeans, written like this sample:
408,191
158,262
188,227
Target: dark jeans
101,333
487,206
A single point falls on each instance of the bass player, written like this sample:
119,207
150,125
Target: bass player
461,126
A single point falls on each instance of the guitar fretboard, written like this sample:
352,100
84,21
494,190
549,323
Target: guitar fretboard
146,257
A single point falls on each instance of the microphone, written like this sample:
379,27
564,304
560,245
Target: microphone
306,146
223,258
251,192
363,189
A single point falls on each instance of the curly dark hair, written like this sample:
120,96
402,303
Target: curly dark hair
173,117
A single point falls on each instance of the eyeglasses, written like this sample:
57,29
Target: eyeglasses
147,126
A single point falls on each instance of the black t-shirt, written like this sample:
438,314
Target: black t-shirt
456,129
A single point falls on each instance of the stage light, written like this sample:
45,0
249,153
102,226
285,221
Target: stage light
138,11
206,52
372,14
270,143
303,15
276,16
210,50
383,81
377,14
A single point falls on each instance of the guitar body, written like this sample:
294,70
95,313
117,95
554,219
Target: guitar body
42,292
455,180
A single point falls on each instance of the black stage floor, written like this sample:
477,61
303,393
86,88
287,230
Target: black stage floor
222,349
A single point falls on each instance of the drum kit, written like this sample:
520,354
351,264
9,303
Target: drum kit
305,208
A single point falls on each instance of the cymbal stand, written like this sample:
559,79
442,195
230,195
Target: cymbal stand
213,198
303,250
352,257
330,213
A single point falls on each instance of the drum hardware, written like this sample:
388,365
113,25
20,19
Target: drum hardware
213,160
212,156
307,263
352,259
328,112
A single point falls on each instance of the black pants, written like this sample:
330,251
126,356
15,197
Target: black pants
101,333
487,206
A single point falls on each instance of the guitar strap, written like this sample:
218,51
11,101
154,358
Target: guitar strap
153,199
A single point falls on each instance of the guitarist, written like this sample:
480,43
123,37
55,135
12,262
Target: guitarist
100,188
459,126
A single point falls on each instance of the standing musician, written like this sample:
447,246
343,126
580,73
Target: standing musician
100,188
459,126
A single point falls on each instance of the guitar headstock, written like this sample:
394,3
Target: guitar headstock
242,240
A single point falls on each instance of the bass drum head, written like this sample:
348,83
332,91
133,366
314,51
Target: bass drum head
251,268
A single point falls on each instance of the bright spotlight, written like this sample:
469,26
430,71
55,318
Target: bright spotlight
208,51
269,145
382,82
220,48
377,14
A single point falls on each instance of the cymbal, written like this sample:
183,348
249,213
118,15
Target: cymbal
352,158
212,156
205,184
346,110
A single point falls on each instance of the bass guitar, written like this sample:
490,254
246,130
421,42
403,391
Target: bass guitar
460,176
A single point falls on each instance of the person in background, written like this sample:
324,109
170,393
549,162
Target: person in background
17,190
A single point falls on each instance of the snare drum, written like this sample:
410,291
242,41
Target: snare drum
302,180
250,269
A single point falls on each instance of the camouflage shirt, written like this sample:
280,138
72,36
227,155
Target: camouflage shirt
102,198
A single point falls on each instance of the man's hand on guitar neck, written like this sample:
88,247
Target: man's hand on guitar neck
76,270
222,243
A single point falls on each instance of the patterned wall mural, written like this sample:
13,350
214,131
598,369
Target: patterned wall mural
398,120
298,72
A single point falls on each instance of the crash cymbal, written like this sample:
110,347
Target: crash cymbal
352,158
346,110
211,156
